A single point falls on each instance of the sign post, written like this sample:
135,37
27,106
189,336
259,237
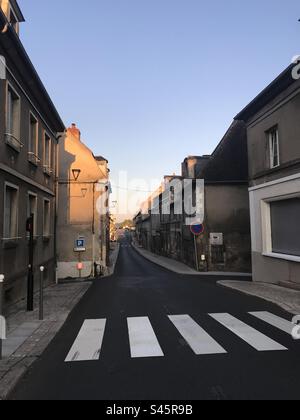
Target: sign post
197,229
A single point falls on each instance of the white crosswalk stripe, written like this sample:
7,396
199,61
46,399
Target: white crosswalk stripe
143,341
195,336
274,320
250,335
88,343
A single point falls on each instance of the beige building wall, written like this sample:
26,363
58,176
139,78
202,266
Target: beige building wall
82,196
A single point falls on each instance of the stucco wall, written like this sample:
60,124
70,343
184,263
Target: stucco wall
270,269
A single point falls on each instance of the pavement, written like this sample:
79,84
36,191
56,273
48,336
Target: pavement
27,338
147,333
180,268
286,298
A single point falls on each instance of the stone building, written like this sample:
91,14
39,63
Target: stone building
29,127
273,130
83,217
225,245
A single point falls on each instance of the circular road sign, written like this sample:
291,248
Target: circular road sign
197,229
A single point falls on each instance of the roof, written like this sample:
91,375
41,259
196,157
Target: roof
229,161
17,10
17,55
100,159
281,83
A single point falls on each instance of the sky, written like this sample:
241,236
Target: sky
150,82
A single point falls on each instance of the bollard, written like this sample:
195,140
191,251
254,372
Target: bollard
1,302
41,310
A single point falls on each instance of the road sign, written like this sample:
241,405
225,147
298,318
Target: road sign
80,245
197,229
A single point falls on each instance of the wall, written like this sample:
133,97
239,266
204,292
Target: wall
78,208
270,269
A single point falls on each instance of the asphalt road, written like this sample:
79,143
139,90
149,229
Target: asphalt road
140,289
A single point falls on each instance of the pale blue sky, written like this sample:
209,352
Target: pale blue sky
151,81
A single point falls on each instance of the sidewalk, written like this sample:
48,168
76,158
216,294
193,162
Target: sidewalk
287,299
27,338
180,268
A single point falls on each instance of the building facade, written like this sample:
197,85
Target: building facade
273,129
29,127
225,245
83,224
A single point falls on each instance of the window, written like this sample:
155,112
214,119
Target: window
32,209
274,148
11,212
46,219
47,154
33,140
13,119
285,226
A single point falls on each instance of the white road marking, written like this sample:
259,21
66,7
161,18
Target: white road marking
143,341
195,336
251,336
88,343
280,323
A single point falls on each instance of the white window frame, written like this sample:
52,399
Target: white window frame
35,224
47,234
13,139
17,189
33,154
270,134
267,228
47,160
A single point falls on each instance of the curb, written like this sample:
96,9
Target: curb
155,260
281,305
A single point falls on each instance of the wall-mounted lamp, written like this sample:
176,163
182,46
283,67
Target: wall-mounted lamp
76,174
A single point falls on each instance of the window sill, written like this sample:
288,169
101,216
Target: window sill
11,243
292,258
13,143
33,159
48,172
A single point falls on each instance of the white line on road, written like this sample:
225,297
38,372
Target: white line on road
195,336
143,341
88,343
251,336
280,323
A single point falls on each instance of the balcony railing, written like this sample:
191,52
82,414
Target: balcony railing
33,158
13,142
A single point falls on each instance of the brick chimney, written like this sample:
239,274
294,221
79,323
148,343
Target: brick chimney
74,131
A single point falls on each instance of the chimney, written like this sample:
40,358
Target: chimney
74,131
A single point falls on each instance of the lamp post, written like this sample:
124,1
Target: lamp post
41,311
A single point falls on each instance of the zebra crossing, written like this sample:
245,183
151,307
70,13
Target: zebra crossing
144,343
